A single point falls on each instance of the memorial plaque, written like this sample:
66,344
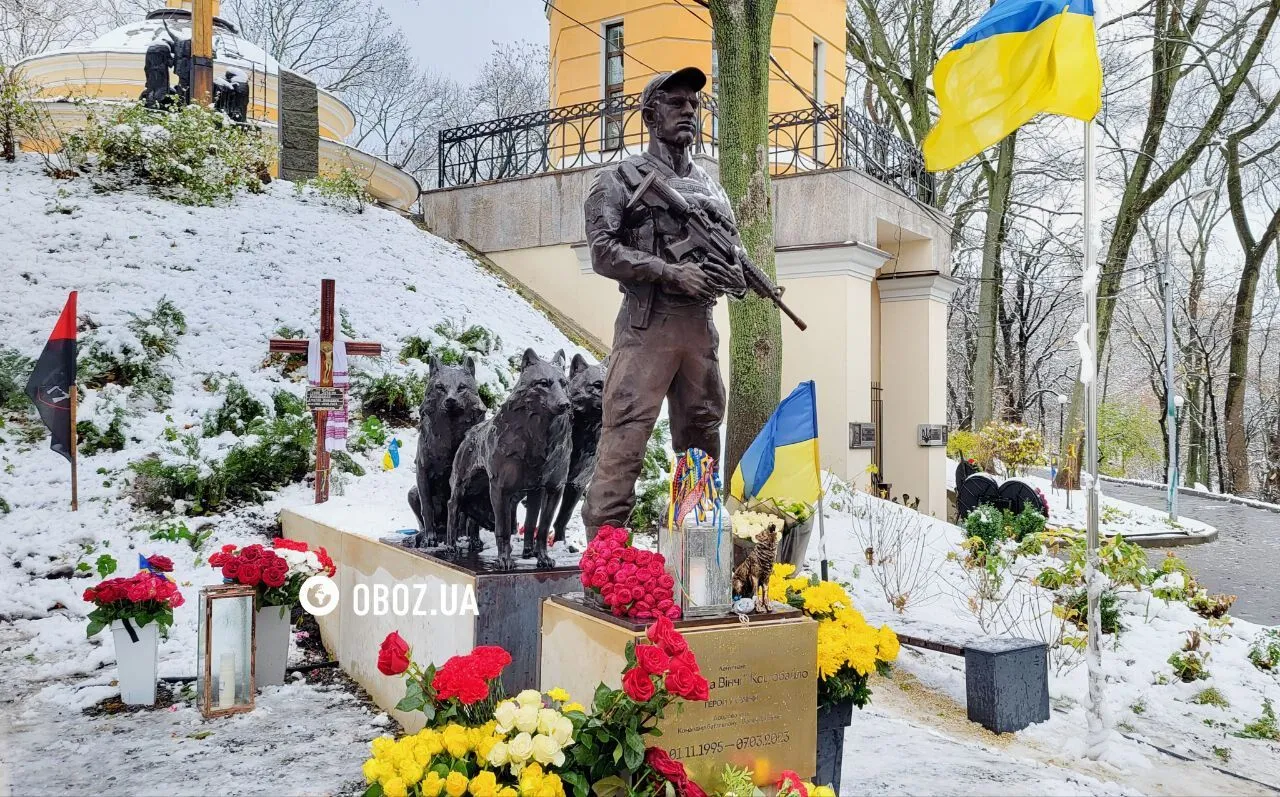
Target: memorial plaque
762,709
760,712
324,398
931,434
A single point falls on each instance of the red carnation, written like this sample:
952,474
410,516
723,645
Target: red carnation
162,563
489,661
292,545
637,684
790,781
393,655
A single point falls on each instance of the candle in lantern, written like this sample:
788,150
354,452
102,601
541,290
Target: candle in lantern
697,581
227,680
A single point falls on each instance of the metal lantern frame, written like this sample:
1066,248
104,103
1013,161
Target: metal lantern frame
209,595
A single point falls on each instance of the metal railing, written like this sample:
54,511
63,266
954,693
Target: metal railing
605,131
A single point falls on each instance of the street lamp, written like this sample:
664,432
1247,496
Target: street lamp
1170,408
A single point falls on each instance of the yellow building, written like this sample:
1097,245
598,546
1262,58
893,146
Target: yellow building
110,69
603,48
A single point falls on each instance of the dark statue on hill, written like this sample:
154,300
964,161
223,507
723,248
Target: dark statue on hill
230,92
450,406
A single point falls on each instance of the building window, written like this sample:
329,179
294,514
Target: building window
613,82
817,70
715,87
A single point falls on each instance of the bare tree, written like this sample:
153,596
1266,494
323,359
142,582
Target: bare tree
399,117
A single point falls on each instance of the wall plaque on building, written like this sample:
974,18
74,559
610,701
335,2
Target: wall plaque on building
862,435
931,434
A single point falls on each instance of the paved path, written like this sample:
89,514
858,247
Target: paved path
1243,561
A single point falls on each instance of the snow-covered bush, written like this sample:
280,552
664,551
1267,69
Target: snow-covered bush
1210,607
997,444
238,409
1264,650
390,396
274,452
132,356
1190,664
343,189
1076,604
453,343
370,433
1265,727
14,371
193,155
986,523
93,439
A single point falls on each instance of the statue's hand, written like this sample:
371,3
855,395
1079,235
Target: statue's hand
690,280
727,278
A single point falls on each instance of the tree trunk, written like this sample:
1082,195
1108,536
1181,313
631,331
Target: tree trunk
1238,481
743,35
999,184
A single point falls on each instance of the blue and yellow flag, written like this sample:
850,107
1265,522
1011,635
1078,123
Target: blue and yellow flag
1023,58
782,462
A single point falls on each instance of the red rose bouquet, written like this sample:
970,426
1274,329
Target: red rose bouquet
660,670
147,597
465,689
629,581
278,572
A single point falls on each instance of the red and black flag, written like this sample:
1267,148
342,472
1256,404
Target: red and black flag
51,384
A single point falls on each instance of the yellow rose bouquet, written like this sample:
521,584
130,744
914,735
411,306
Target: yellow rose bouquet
849,648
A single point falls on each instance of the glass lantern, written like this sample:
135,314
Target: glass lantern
225,649
699,557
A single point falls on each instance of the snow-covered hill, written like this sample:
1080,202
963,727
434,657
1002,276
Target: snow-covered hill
236,273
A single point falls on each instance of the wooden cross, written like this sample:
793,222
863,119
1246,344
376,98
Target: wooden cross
354,349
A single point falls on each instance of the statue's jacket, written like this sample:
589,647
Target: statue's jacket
627,244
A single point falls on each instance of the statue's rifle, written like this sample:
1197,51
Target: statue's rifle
708,235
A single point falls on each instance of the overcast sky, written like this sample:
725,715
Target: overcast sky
454,37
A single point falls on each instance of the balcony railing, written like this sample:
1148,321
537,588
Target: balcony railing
814,139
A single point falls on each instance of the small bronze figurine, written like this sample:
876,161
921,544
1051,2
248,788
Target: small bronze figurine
751,578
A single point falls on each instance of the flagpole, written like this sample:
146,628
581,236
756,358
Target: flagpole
75,486
1089,375
822,536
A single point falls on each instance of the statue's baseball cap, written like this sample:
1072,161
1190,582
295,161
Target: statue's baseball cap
691,77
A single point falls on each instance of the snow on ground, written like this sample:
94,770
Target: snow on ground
1144,700
238,273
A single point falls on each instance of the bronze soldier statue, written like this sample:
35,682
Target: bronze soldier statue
664,342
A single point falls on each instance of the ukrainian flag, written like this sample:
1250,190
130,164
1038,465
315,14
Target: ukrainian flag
782,462
1023,58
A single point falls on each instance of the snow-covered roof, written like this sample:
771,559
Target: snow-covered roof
138,36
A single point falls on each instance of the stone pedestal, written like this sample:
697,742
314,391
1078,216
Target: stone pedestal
1007,683
442,608
762,713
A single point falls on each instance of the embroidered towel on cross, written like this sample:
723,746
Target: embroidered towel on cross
335,427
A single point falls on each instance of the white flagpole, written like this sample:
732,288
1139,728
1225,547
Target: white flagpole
1089,376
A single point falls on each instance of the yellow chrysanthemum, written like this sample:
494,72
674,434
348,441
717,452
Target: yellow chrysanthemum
832,648
484,784
381,745
862,656
456,784
395,788
370,770
567,707
825,597
887,644
431,785
456,740
559,695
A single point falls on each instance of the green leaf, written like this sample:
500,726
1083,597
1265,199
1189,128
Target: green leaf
602,694
612,786
617,754
374,790
106,565
198,735
634,742
633,758
95,626
578,781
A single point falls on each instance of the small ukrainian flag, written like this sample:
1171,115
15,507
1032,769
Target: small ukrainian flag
1023,58
782,462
